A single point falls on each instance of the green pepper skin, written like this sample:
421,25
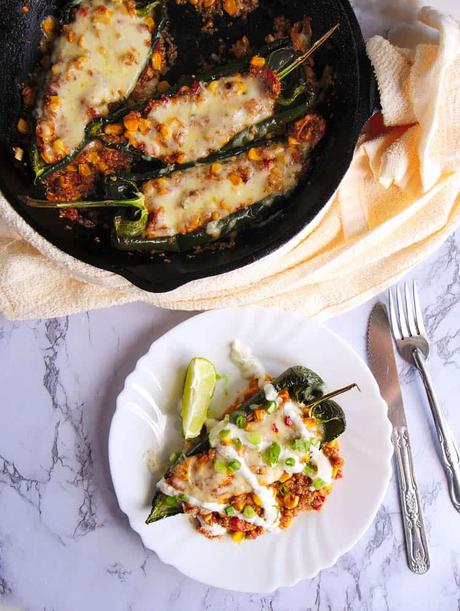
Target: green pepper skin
332,417
40,168
163,507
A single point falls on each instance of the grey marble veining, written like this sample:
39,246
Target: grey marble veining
65,545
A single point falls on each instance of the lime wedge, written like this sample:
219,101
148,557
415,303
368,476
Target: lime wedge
200,382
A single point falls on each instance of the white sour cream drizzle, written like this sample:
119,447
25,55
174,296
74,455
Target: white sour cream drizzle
250,367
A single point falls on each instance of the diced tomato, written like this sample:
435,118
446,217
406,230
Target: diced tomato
275,429
288,421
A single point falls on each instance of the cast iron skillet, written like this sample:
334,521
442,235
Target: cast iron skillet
349,105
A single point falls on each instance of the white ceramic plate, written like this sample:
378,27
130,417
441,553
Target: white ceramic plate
147,419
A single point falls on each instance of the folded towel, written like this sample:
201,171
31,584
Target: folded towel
399,200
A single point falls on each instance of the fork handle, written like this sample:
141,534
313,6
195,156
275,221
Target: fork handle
411,511
449,449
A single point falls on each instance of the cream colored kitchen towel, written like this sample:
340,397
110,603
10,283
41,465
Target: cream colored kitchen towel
399,200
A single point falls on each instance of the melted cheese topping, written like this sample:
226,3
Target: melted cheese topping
210,489
196,124
187,200
96,61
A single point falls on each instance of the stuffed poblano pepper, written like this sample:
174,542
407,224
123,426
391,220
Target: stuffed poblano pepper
96,62
272,455
203,116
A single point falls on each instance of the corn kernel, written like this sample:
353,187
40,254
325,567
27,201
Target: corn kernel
257,500
70,35
181,158
293,141
113,129
131,122
291,501
231,7
216,168
284,477
156,61
84,169
150,23
238,537
254,155
54,102
47,156
335,470
212,86
259,414
237,180
327,489
258,62
55,69
81,42
334,443
241,88
287,523
164,130
58,146
49,25
23,126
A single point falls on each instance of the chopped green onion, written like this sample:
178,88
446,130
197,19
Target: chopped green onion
230,511
272,454
183,498
220,466
272,407
318,483
226,418
301,445
290,462
174,456
249,512
237,443
254,438
316,442
240,422
310,471
234,465
225,434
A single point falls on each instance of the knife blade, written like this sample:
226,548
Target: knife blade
383,366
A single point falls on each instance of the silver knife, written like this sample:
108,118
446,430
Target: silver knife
383,366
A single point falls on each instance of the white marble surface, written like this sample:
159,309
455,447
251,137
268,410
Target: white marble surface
64,544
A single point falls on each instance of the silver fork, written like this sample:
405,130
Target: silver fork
411,340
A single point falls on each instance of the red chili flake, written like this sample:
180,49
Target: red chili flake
288,421
195,86
84,10
275,429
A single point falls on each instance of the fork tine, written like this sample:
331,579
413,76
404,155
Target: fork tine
418,311
393,318
410,311
402,313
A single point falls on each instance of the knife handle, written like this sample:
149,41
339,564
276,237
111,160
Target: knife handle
411,511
